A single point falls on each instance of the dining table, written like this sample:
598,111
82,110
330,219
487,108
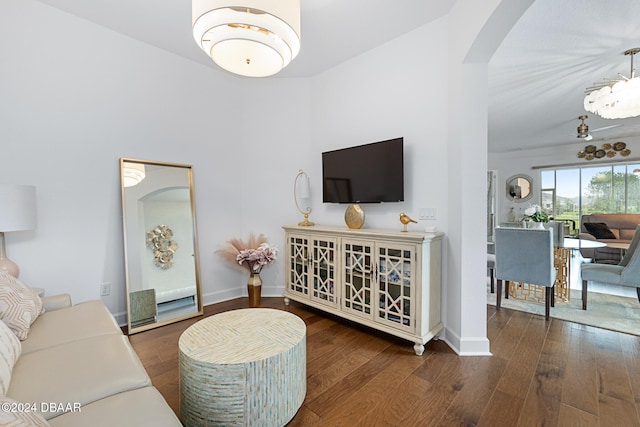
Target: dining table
573,243
623,246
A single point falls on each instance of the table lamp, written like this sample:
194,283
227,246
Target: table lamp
303,192
17,213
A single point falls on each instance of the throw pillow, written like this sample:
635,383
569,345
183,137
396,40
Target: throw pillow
600,230
14,413
10,350
20,305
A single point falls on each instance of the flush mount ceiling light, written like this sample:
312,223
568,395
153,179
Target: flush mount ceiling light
254,38
616,98
132,174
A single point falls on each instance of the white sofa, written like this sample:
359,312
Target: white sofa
75,368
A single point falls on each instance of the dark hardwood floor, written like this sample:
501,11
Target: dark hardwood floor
553,373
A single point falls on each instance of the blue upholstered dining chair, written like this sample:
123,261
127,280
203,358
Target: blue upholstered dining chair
491,269
491,265
626,273
525,255
558,231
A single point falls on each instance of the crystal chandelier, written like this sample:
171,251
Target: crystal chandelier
616,99
254,38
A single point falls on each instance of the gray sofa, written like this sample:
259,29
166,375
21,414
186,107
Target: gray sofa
76,368
622,226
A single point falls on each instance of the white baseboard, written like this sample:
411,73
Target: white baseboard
468,346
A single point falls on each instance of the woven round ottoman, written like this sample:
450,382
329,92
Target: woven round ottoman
243,368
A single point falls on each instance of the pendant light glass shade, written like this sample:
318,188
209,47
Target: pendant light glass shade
616,99
254,38
619,101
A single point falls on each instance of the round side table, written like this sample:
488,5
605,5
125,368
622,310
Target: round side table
243,368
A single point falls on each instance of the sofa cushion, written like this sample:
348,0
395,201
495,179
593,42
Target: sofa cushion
20,414
626,234
84,320
79,372
600,230
56,302
140,407
19,305
10,350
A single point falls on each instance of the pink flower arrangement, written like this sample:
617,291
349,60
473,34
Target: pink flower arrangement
254,254
256,259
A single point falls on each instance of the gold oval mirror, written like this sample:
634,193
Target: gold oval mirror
160,244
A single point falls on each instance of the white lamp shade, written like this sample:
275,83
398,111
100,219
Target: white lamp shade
304,190
302,196
254,38
17,207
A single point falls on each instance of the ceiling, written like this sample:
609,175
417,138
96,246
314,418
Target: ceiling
537,77
332,30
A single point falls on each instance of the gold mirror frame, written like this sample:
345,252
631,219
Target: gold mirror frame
160,243
519,188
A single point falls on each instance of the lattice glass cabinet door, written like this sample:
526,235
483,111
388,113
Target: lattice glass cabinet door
298,259
323,270
396,286
358,277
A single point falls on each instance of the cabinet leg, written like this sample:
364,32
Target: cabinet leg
418,348
286,301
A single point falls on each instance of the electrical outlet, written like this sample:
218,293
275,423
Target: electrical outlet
105,289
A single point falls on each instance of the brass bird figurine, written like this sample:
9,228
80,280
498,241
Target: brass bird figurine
405,219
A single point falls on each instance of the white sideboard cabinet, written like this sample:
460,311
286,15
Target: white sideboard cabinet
385,279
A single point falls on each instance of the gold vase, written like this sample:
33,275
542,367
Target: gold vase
354,216
254,288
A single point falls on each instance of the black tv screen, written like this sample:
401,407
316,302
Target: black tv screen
370,173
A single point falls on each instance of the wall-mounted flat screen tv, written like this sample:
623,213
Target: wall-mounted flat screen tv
370,173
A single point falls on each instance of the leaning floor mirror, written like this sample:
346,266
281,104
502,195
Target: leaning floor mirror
160,243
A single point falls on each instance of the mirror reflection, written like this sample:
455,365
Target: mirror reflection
519,188
161,259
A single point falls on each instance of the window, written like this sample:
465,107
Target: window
570,193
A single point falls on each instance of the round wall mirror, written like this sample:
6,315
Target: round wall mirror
519,188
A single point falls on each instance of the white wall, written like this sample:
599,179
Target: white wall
75,97
276,142
383,94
